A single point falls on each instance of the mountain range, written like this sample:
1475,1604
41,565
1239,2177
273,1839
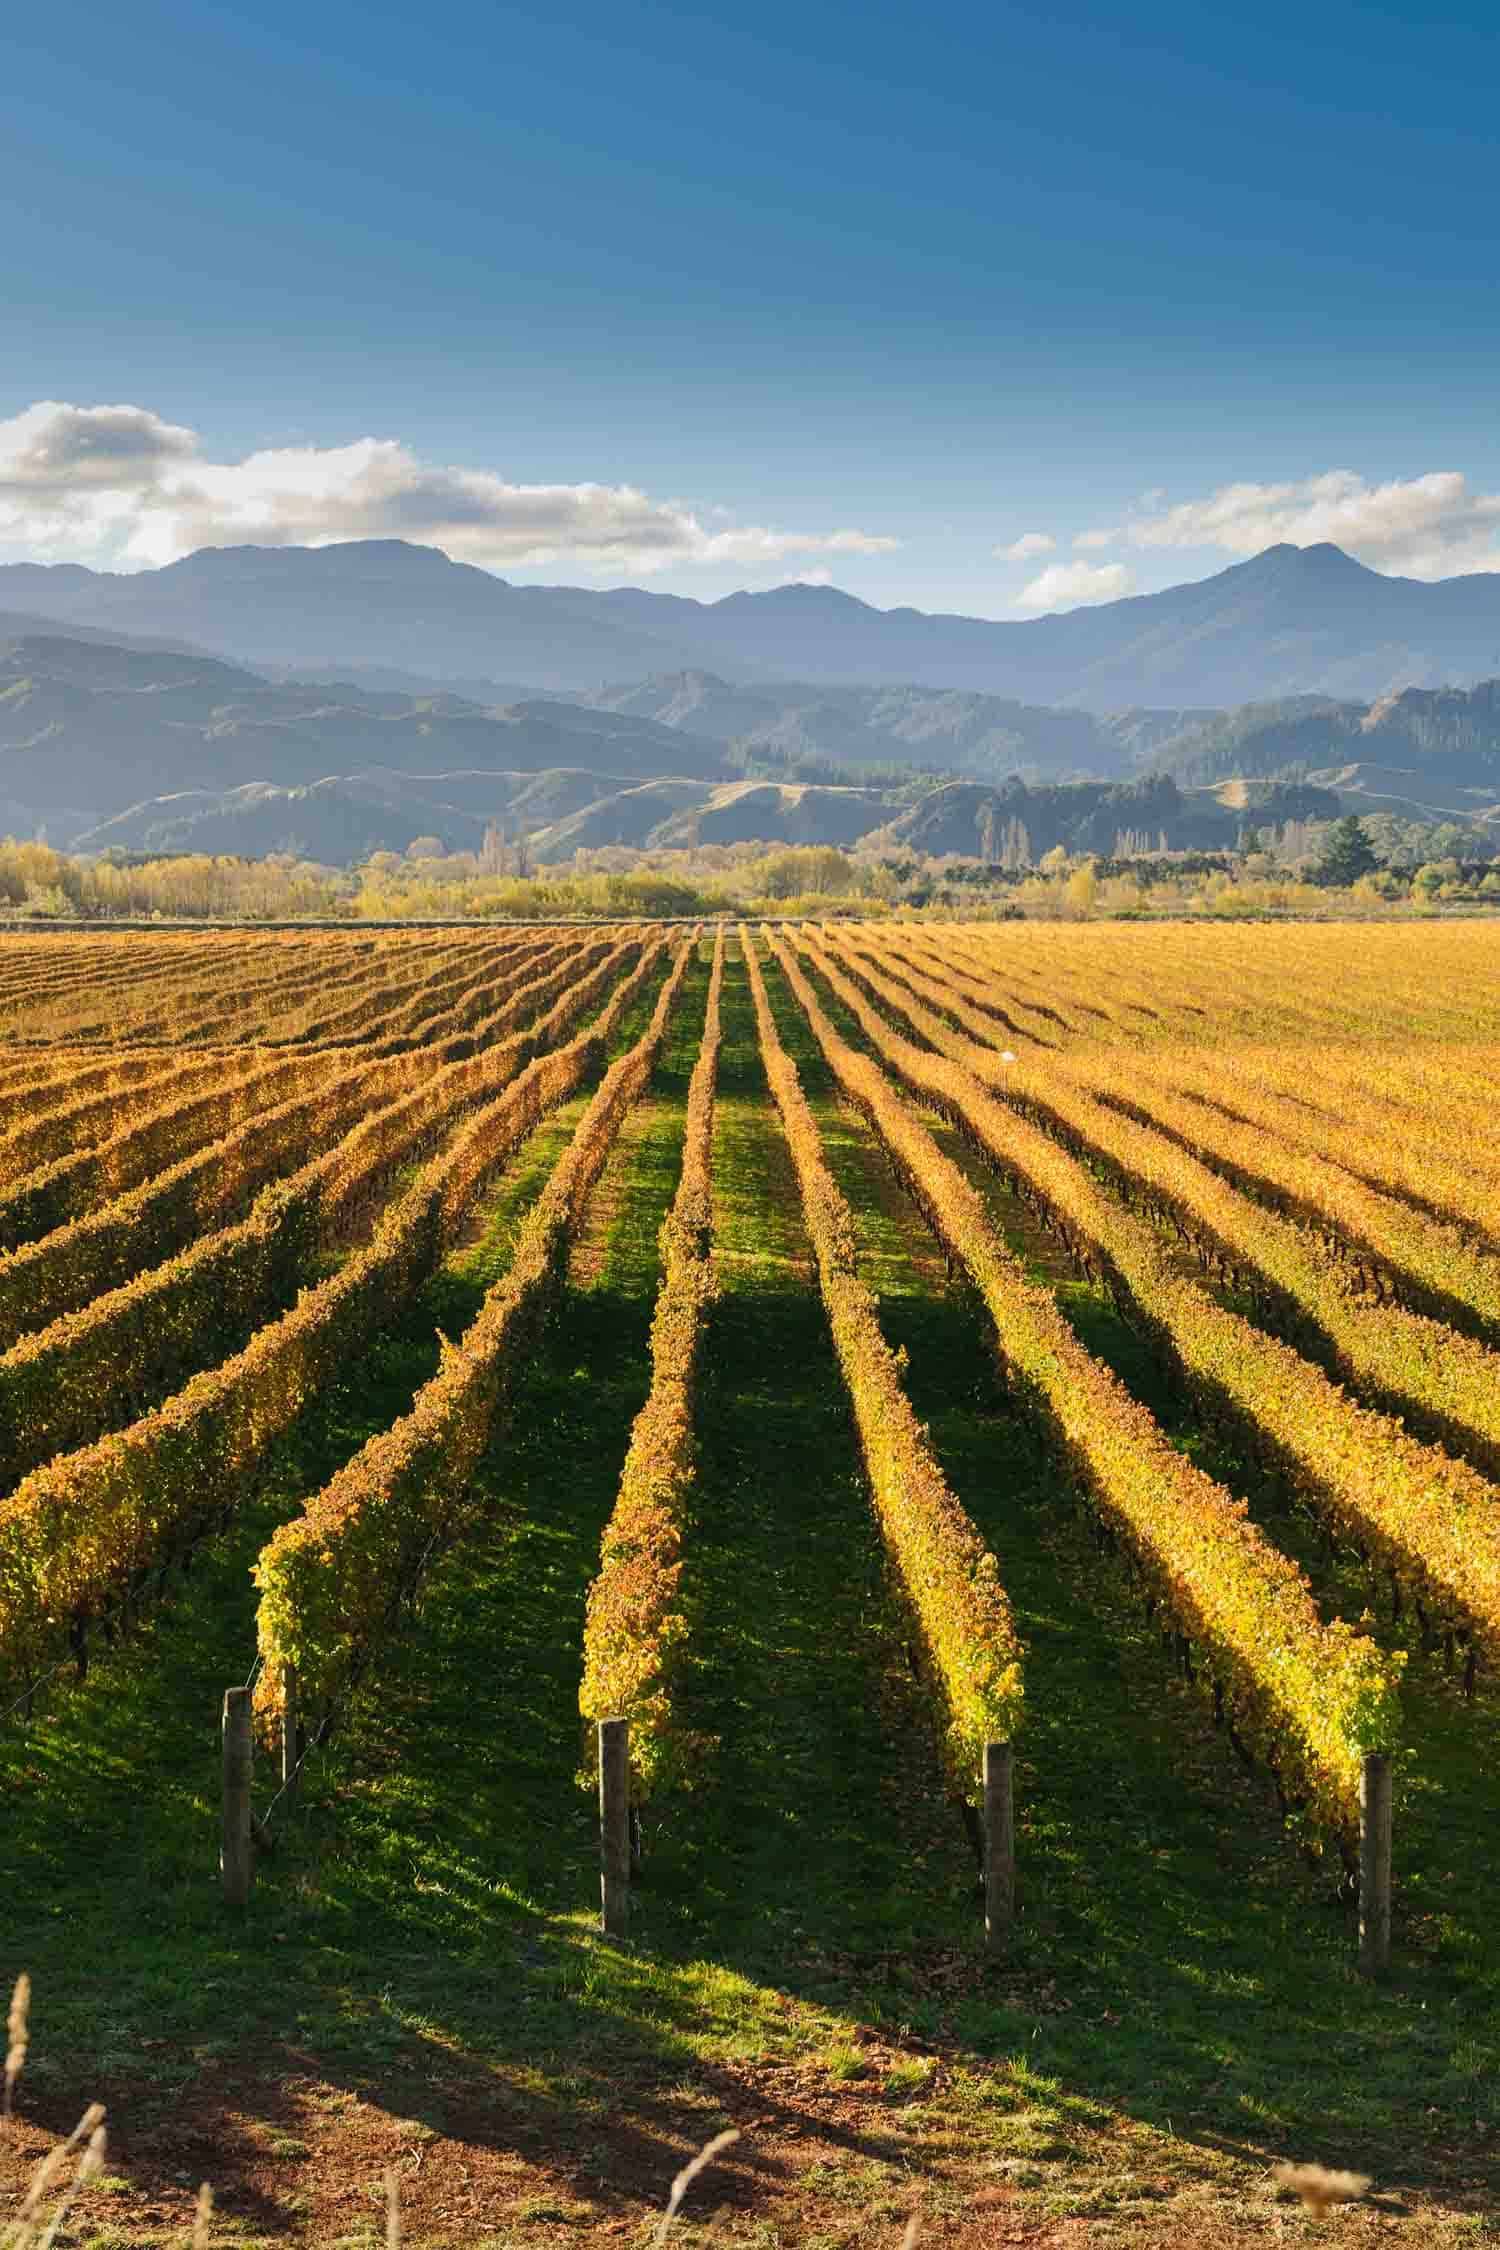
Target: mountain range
1293,620
165,749
946,730
145,741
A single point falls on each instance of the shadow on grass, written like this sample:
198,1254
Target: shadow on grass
1207,1973
422,1940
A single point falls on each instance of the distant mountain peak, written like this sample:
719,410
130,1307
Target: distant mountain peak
1321,561
1289,621
798,594
339,556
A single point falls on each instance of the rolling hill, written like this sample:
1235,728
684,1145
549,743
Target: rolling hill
89,729
162,748
1424,753
946,730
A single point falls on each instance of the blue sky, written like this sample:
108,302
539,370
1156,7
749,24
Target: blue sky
705,298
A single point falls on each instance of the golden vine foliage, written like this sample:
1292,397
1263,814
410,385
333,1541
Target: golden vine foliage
166,1128
1447,1382
1381,1243
395,1108
633,1630
1312,1698
1431,1521
1388,1242
332,1580
950,1579
76,1532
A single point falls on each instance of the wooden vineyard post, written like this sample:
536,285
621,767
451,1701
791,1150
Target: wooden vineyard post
236,1861
614,1825
999,1848
1374,1865
290,1732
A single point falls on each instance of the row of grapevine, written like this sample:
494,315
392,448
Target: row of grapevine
1431,1522
1011,1015
58,1103
138,990
53,982
87,1257
157,1134
292,1009
331,1580
1295,982
634,1629
138,1001
544,979
99,1367
949,1578
1434,1090
265,995
104,1365
1447,1383
100,1251
1439,1165
31,1141
75,1532
54,1077
1386,1242
377,1003
1310,1698
468,997
64,1070
34,963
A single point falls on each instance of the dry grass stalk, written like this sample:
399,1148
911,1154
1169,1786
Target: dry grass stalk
202,2216
392,2209
1319,2188
688,2174
27,2231
17,2037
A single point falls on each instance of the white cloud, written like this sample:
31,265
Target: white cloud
1091,541
54,448
1423,527
1070,585
1027,547
119,483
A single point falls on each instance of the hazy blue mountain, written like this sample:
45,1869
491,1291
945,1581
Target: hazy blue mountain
1422,751
337,822
89,729
162,748
383,603
343,819
946,730
1260,739
1452,734
1290,621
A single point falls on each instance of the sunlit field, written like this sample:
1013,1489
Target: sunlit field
845,1352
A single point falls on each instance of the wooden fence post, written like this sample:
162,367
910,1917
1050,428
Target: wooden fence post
1374,1865
291,1732
999,1848
236,1851
614,1825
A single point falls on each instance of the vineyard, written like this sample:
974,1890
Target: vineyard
882,1535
